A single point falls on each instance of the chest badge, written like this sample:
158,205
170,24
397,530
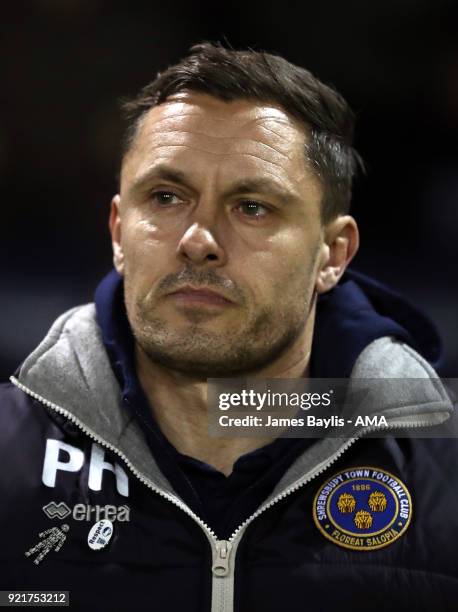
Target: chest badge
100,534
362,508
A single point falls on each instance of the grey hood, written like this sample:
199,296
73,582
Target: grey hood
71,373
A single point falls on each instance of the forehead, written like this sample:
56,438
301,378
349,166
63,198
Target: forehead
192,128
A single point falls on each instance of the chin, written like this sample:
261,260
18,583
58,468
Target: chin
207,361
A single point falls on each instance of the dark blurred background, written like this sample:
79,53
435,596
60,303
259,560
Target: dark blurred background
65,64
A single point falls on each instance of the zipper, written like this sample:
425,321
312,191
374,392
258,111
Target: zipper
222,569
223,551
223,577
68,415
221,563
316,472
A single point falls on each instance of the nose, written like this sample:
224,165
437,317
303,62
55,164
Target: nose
199,246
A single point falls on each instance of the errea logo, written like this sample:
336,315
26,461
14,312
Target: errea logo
87,512
53,510
60,456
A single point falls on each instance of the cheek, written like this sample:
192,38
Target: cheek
286,258
148,254
279,279
145,241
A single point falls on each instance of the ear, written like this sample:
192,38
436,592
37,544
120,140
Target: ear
115,231
341,242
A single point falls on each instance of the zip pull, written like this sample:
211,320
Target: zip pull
221,564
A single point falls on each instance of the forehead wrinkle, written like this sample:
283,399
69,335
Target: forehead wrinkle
263,110
174,116
178,116
158,125
198,115
243,123
223,154
277,134
225,138
261,121
278,119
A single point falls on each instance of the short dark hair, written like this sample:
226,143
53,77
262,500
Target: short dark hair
229,74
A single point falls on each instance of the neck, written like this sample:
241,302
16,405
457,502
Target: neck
179,404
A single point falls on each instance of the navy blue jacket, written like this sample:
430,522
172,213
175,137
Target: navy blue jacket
73,454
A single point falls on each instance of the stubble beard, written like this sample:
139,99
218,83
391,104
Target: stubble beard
204,353
260,336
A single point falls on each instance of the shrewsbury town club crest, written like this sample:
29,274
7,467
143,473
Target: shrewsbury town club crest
362,508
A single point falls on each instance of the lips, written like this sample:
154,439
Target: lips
189,295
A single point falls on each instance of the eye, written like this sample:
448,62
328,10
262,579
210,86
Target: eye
253,209
165,198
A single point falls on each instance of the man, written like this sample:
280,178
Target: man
231,238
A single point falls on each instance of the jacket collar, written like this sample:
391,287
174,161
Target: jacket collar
70,371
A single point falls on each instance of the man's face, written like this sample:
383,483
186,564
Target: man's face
218,234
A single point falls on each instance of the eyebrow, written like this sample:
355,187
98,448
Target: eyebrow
161,171
260,185
266,186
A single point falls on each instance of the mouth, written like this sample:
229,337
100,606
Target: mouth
193,296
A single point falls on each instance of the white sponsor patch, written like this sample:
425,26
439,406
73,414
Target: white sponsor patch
100,534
